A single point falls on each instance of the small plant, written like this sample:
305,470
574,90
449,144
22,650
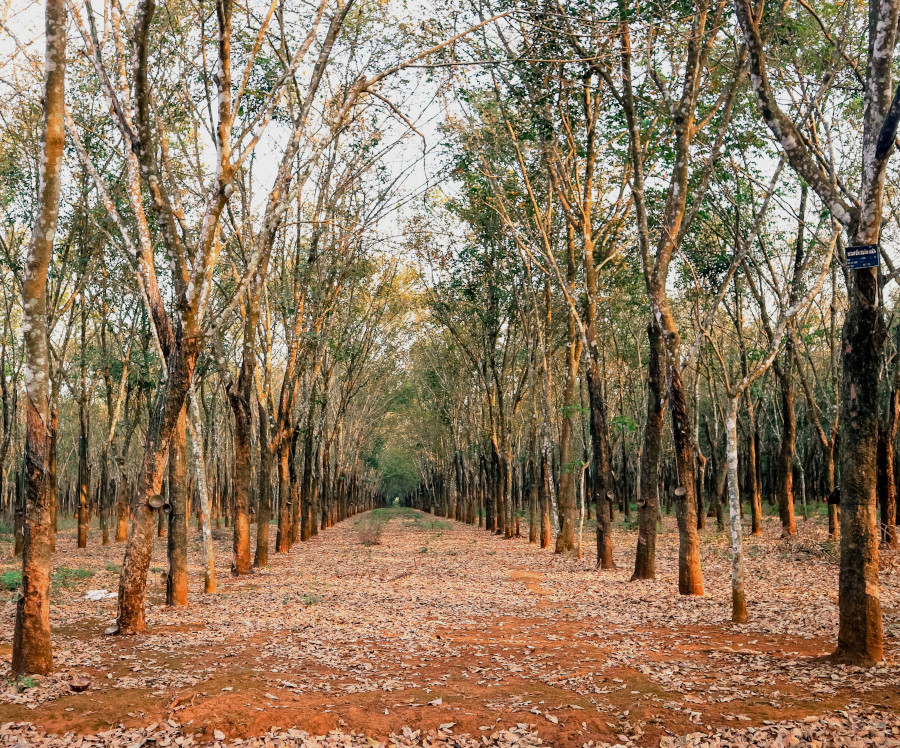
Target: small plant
112,568
10,580
424,550
67,577
370,534
370,530
25,681
310,598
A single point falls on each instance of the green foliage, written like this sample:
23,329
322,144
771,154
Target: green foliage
65,577
23,682
11,580
573,466
625,422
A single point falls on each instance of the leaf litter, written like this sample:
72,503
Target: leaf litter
478,641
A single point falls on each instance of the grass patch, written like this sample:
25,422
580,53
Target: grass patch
10,580
112,568
24,681
65,577
387,514
421,523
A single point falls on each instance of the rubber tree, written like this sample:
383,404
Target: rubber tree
32,651
734,390
860,637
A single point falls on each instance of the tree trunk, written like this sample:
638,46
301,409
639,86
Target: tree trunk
176,548
690,575
209,561
786,452
240,398
20,508
860,639
887,486
531,470
316,502
104,495
860,633
52,481
738,595
84,476
294,486
122,512
602,472
544,497
264,509
163,420
648,504
565,539
31,639
308,513
752,475
506,466
283,536
834,510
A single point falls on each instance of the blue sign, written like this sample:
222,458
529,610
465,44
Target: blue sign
862,256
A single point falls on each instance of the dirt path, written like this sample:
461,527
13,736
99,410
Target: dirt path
442,623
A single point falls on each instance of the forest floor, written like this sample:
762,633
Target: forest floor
443,635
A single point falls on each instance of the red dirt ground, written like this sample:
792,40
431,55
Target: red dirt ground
443,623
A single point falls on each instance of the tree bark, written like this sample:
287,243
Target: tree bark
308,512
648,507
52,479
860,632
103,490
84,475
738,595
139,550
786,450
690,576
785,374
122,511
602,473
565,539
32,651
886,484
544,498
264,508
176,547
209,561
240,397
283,536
